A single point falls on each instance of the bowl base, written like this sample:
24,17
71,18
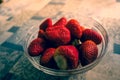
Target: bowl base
74,77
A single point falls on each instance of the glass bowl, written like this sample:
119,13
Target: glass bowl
73,74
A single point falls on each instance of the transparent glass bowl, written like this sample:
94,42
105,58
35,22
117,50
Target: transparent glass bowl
84,21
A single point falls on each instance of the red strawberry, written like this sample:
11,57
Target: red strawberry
41,34
47,58
59,35
66,57
75,28
83,28
36,47
89,34
45,24
61,21
88,52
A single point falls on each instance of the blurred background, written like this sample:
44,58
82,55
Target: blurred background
16,17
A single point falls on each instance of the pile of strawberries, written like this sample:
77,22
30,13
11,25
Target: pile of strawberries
65,44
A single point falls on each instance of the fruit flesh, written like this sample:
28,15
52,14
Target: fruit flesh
69,54
61,62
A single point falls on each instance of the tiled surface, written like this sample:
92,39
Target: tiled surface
8,58
16,20
116,48
4,36
14,29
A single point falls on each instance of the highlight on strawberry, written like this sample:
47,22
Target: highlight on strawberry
65,44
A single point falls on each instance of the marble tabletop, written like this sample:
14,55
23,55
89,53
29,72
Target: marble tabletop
16,17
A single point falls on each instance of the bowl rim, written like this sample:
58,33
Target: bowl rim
76,70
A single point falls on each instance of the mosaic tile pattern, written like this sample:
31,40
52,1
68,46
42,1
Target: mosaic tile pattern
116,48
14,29
23,68
4,36
8,58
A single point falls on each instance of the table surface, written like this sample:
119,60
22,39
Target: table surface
16,17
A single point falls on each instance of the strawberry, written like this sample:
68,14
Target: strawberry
45,24
58,35
36,47
83,28
66,57
89,34
75,28
88,52
47,58
61,21
41,34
